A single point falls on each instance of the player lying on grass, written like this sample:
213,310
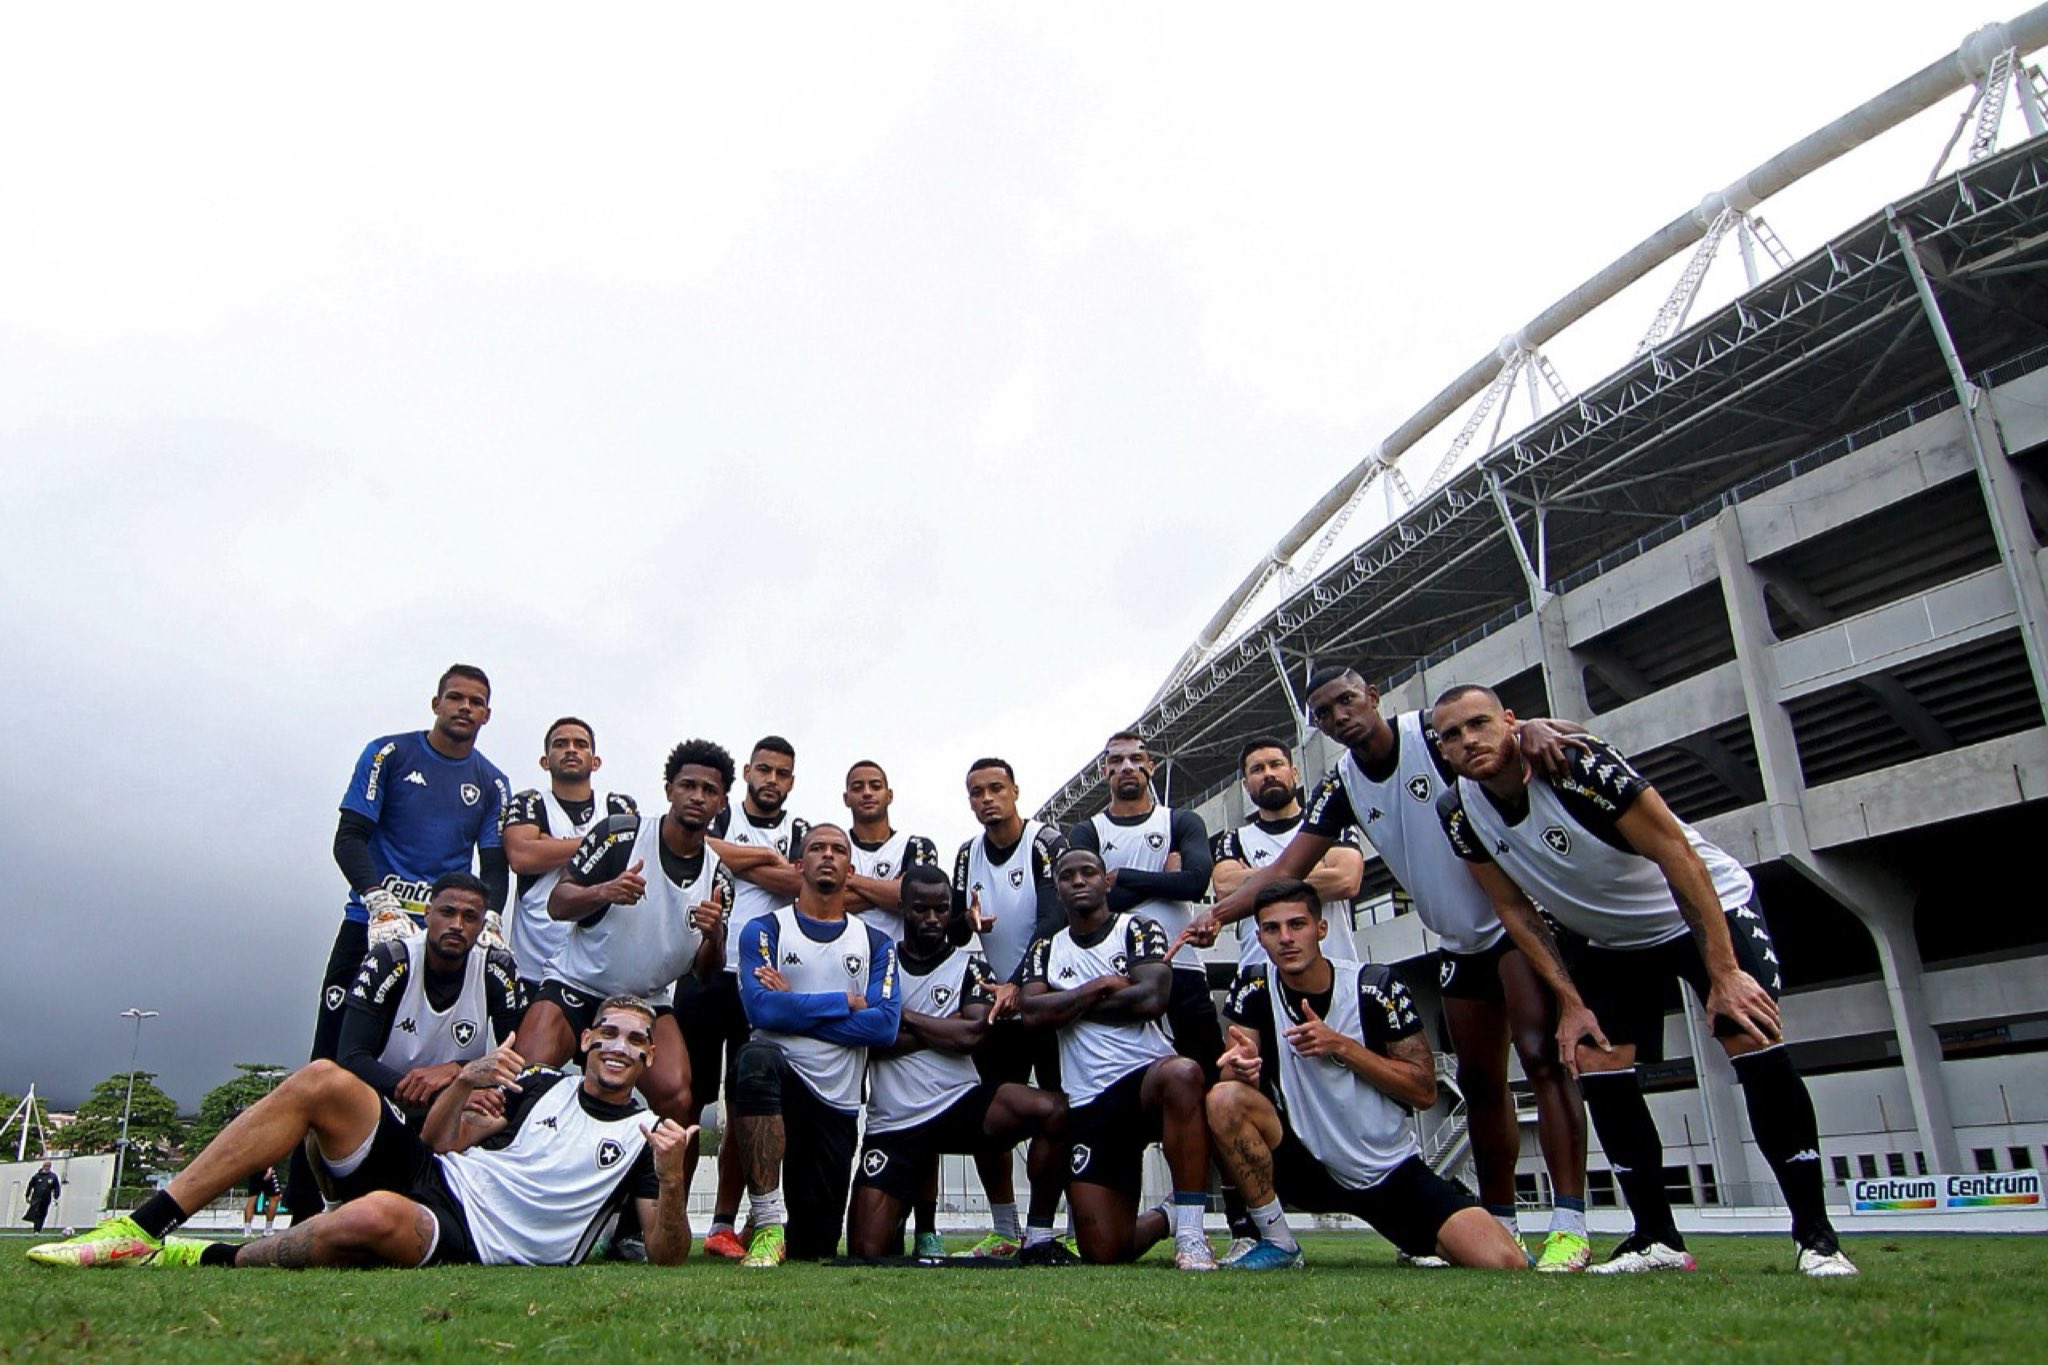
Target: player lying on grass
1326,1062
1104,984
925,1097
513,1165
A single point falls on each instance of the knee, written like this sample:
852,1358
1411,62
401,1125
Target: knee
757,1081
1229,1104
317,1081
1184,1083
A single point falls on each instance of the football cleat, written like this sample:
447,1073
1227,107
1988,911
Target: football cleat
1193,1253
1052,1252
1563,1252
115,1242
1639,1255
1265,1255
995,1246
725,1244
929,1246
766,1248
179,1253
1822,1258
1237,1249
1402,1258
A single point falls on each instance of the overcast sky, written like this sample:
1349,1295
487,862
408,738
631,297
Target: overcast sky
910,380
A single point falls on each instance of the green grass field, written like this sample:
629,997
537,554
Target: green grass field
1919,1298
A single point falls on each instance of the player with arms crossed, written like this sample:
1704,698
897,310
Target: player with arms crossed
645,898
925,1097
1103,983
820,988
1327,1061
881,852
542,830
513,1166
1385,785
1648,902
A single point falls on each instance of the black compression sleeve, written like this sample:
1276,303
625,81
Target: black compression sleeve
496,874
352,851
363,1034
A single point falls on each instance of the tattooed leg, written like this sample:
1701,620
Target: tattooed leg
1246,1129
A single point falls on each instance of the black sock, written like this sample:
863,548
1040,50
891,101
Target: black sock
927,1218
1628,1135
218,1253
1781,1116
159,1214
1236,1215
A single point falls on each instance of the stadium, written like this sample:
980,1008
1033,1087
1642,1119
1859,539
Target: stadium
1788,558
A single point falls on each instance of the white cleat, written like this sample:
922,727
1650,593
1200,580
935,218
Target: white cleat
1823,1260
1402,1258
1638,1258
1193,1253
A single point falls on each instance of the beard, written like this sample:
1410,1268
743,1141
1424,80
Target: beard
1273,797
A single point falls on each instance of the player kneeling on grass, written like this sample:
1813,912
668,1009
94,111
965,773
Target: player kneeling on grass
925,1096
511,1166
1326,1062
1104,983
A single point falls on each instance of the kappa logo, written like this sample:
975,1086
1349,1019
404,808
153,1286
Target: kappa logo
852,963
874,1161
418,779
1500,845
1418,787
790,959
465,1032
1016,877
609,1154
1067,972
1079,1161
1560,842
549,1123
408,1026
1155,840
1808,1155
1375,813
1260,855
941,994
333,998
471,793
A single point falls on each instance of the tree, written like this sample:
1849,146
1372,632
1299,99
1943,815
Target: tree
229,1098
156,1137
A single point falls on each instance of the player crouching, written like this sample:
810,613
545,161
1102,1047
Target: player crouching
512,1166
1337,1046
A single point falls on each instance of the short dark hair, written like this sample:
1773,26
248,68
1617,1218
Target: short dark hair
924,874
623,1002
549,737
462,671
814,830
1002,763
1457,690
700,753
774,744
1072,849
868,763
460,881
1286,890
1323,677
1244,755
1131,735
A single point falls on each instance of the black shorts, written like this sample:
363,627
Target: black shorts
579,1007
1012,1053
1474,976
395,1160
1409,1206
1107,1137
262,1187
896,1162
1628,988
1191,1017
453,1245
714,1026
817,1158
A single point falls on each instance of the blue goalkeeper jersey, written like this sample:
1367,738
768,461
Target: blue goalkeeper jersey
432,812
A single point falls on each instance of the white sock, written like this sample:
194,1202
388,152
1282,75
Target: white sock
1568,1220
1037,1236
1187,1220
248,1229
1507,1221
1271,1221
1005,1218
765,1210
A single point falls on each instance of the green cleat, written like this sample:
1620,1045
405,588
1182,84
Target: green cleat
179,1253
993,1247
767,1249
115,1242
929,1247
1564,1253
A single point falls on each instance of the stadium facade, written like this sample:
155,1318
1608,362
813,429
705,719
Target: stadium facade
1791,560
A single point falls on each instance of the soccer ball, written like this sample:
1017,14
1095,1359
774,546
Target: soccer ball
70,1231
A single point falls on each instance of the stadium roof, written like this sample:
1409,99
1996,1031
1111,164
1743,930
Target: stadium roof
1835,342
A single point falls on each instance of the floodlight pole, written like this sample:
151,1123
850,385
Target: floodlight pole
121,1151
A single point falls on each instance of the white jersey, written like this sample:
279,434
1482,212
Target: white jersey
835,1072
907,1090
532,936
637,949
1008,891
1145,847
541,1198
1354,1129
424,1036
1567,854
1397,813
751,902
1095,1054
1256,846
888,861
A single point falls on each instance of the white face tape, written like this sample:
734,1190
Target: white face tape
623,1041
